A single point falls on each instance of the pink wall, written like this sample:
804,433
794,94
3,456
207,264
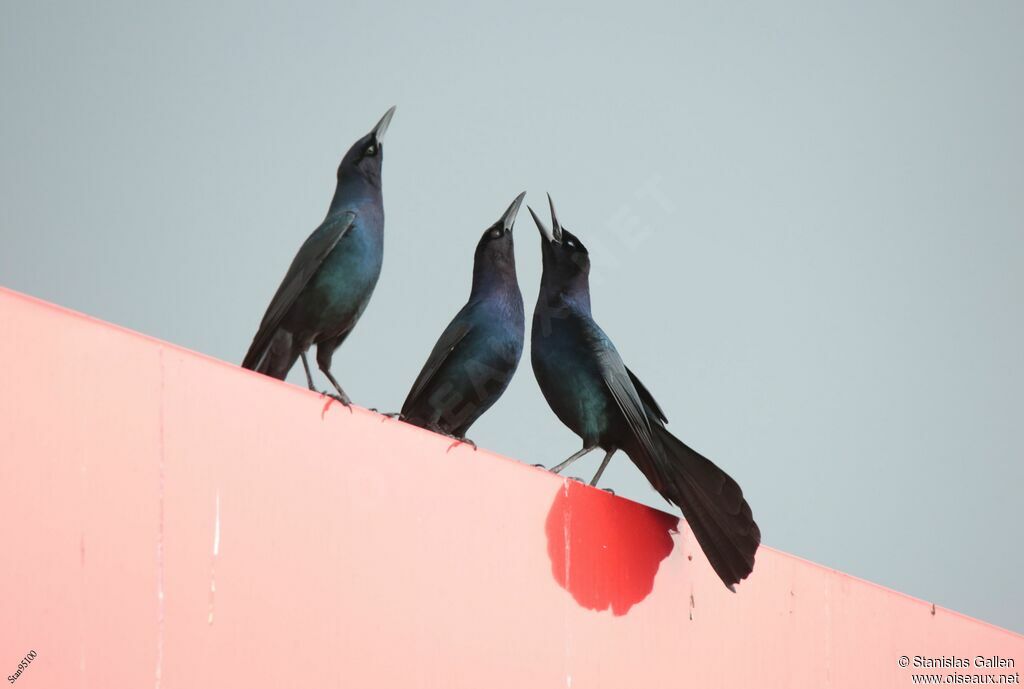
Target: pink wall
168,520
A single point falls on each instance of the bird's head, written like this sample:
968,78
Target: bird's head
495,252
564,256
366,156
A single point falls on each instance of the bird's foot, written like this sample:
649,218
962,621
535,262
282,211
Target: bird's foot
540,466
345,401
577,479
461,441
389,414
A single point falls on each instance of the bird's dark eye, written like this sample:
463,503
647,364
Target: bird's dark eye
371,150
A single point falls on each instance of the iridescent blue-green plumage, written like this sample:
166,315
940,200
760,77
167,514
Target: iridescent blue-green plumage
477,354
332,277
589,388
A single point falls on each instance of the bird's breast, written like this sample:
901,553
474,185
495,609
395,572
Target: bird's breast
340,290
572,386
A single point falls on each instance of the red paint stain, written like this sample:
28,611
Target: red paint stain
605,550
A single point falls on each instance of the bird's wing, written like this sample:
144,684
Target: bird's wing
619,382
646,397
305,264
449,340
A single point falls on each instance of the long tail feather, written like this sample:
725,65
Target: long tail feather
713,505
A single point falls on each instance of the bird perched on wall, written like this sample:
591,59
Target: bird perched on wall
331,279
592,392
473,361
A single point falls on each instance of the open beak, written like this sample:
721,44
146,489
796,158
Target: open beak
545,234
556,227
555,234
509,218
382,126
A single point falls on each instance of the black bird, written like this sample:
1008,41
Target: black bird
593,393
473,362
331,279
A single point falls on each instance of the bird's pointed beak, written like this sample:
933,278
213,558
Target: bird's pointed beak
509,218
556,227
382,126
544,233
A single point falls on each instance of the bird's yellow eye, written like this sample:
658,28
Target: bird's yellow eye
495,233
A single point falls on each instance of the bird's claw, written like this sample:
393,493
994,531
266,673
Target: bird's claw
345,401
458,440
540,466
462,441
608,490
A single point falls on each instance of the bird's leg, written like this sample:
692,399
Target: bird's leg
309,376
558,469
604,464
324,352
341,396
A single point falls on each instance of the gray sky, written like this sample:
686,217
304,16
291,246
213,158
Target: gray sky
806,223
